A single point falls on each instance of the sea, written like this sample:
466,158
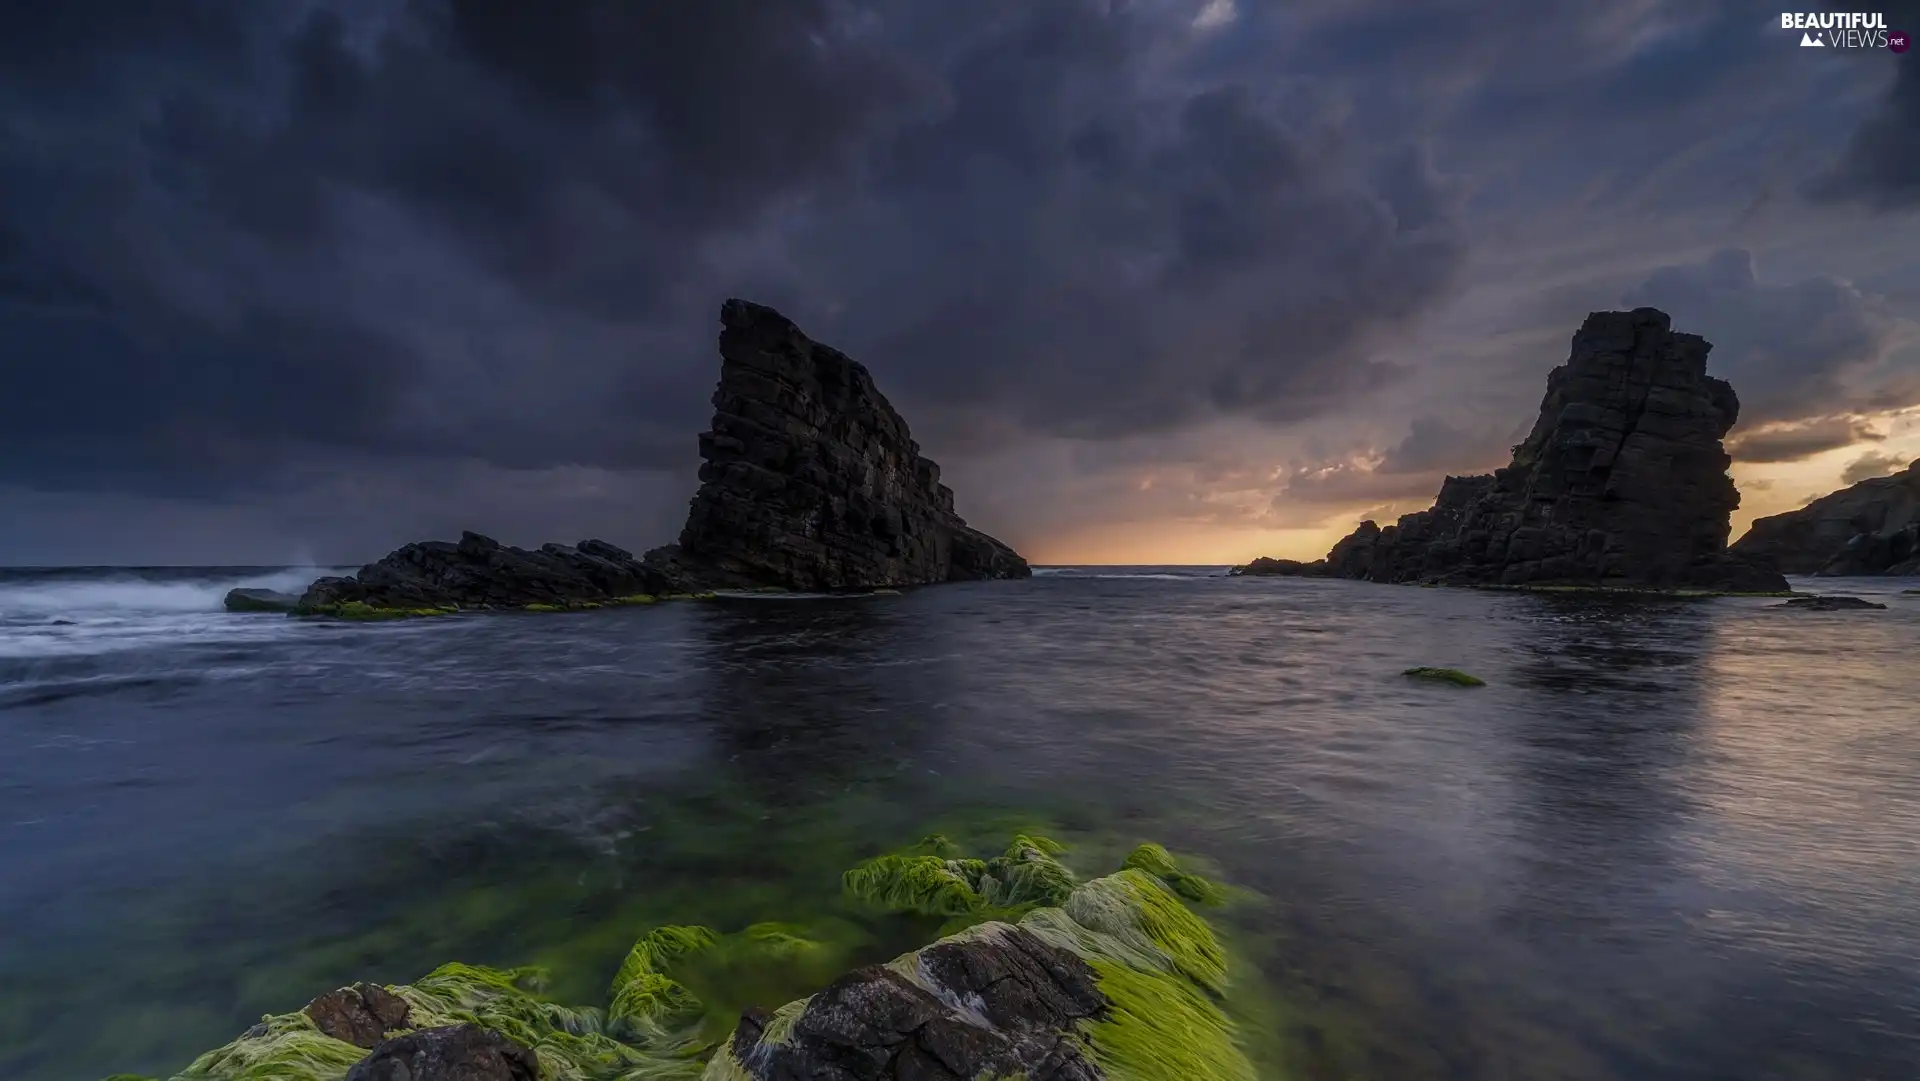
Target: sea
1669,839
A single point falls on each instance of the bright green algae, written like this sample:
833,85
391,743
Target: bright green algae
1160,964
1445,675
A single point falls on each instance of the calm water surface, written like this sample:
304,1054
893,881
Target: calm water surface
1670,840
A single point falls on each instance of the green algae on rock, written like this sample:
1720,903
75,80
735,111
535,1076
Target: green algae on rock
1112,978
1445,675
1118,980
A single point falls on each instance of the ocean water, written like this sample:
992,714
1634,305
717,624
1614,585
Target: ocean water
1669,840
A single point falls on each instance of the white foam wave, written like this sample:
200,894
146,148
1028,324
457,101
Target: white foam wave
123,596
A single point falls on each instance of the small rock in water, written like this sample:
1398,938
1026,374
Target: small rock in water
260,600
1829,604
361,1015
453,1053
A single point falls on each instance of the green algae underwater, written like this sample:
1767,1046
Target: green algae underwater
1177,1004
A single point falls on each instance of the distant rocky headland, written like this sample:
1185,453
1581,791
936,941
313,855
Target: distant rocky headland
1870,528
810,481
1622,484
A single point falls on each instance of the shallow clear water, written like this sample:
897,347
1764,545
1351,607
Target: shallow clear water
1670,839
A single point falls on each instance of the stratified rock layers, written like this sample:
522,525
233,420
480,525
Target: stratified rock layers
1622,483
1872,527
811,479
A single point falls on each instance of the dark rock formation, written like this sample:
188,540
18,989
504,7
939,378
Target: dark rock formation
480,572
1622,483
451,1053
361,1015
811,479
811,482
1872,527
1829,604
260,600
1267,567
999,1004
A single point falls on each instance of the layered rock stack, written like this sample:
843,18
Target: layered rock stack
1870,528
811,481
1621,484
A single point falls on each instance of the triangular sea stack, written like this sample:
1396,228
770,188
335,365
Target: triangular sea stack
811,481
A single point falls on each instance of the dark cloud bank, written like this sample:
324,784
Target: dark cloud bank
299,253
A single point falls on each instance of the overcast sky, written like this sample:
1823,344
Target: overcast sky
1154,281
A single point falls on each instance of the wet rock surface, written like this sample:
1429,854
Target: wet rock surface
449,1053
1870,528
361,1015
997,1004
1622,482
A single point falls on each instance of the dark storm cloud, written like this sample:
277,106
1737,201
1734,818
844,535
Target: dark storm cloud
1881,166
246,236
1434,445
1795,351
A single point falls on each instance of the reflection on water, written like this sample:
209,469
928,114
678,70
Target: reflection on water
1669,840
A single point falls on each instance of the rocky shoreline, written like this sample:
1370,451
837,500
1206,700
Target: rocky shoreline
1621,485
1869,528
1037,975
810,481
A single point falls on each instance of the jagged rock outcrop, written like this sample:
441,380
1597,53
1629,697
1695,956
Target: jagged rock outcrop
1872,527
1621,484
480,573
811,479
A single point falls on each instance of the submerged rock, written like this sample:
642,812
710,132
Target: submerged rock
260,600
812,481
1870,528
1622,482
450,1053
1829,604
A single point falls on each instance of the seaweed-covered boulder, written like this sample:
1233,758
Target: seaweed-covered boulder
480,572
1119,980
450,1053
1037,975
1829,604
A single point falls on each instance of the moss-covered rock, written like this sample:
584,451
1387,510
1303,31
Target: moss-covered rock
1115,976
1445,675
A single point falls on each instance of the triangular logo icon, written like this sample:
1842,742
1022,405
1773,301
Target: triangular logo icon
1809,41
